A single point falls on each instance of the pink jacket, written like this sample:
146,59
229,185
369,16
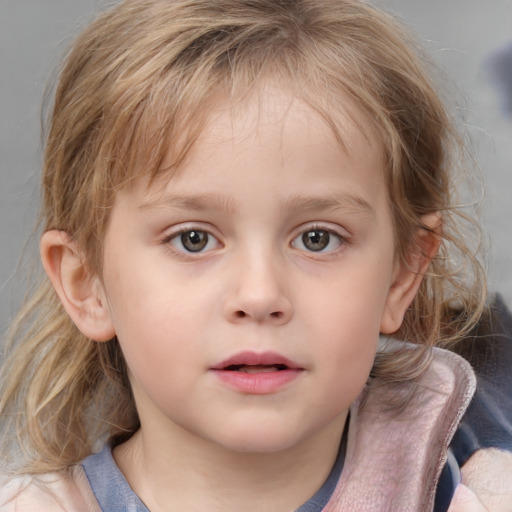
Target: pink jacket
393,459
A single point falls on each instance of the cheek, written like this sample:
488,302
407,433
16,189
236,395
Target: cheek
349,355
349,303
160,326
156,323
344,319
162,353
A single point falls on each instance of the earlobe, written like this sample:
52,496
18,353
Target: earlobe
408,276
80,292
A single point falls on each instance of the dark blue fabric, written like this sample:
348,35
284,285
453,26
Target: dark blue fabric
448,481
487,422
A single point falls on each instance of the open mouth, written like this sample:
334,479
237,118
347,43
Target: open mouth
253,362
255,368
254,373
257,379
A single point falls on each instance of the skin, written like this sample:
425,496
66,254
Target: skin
493,488
259,179
465,500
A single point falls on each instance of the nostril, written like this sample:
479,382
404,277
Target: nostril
259,316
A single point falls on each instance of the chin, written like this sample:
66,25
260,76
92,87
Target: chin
258,441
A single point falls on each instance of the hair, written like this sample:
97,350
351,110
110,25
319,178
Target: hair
146,72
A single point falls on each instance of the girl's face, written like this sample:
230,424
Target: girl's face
248,291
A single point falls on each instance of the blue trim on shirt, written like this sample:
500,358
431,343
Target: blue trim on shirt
110,487
323,495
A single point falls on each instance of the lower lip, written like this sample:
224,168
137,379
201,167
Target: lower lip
259,383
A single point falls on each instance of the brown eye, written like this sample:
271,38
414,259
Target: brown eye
194,241
316,240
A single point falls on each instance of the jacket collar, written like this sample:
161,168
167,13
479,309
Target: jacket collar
395,456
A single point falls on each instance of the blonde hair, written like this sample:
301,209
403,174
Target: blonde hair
144,73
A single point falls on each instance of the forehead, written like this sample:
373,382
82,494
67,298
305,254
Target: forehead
297,121
271,153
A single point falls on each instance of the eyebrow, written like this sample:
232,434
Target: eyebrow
349,202
194,202
299,203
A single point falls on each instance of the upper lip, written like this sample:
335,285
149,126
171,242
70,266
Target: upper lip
249,358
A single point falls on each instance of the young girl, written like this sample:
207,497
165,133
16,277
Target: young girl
240,196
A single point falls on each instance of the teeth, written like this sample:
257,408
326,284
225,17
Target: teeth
258,369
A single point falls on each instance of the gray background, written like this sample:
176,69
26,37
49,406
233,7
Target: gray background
459,34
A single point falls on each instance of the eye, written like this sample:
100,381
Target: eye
318,240
193,240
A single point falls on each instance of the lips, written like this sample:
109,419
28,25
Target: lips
257,373
265,360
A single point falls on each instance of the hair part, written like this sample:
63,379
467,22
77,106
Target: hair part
139,82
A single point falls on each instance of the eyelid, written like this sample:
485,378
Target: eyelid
337,231
177,231
183,227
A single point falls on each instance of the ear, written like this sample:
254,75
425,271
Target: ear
80,292
408,275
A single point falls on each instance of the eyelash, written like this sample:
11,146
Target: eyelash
169,239
331,235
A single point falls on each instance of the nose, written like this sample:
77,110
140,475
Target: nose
257,292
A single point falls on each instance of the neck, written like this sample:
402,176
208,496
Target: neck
182,472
